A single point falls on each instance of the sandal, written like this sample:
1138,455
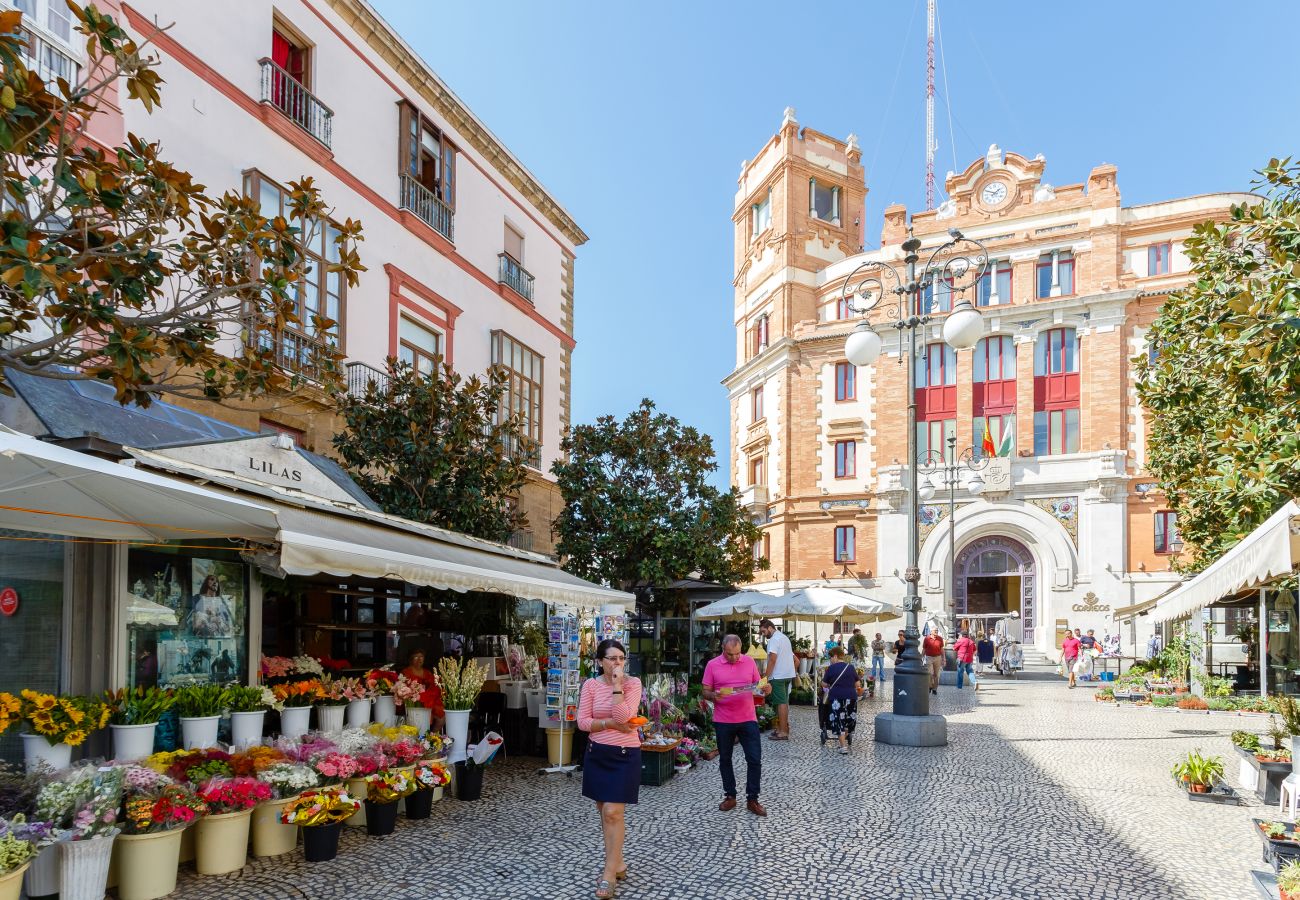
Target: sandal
621,875
604,890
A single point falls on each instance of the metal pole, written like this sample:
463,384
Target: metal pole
951,471
1263,644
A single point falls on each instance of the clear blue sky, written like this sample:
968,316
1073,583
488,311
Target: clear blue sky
636,115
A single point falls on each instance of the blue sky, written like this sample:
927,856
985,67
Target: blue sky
636,115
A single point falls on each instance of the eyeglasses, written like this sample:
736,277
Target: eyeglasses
615,658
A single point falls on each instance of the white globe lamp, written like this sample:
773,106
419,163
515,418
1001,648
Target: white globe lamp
975,484
964,326
863,346
925,491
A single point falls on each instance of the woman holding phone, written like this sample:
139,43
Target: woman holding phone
611,770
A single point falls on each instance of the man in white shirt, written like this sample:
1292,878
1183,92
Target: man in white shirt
779,673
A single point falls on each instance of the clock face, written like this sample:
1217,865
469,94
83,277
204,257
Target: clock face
994,193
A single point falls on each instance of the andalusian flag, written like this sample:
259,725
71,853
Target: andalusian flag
988,447
1002,448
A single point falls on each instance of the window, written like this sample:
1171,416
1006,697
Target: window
756,404
761,218
936,366
760,335
995,359
846,381
993,395
843,309
845,545
1056,431
266,426
1167,539
936,297
763,547
514,244
936,397
428,160
1055,274
1002,433
291,56
757,470
418,346
824,201
523,398
1158,259
1057,352
994,288
320,297
846,459
52,15
1056,392
932,436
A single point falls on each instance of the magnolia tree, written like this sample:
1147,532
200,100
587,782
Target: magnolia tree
116,266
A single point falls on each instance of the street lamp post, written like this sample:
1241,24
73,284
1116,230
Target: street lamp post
944,471
958,267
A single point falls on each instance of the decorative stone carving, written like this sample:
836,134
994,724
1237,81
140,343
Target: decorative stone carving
947,209
1065,510
1044,192
1091,604
788,118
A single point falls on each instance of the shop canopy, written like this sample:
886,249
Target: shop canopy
813,604
737,605
50,489
1270,551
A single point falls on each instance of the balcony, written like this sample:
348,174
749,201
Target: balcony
289,96
425,204
48,60
516,277
361,376
754,497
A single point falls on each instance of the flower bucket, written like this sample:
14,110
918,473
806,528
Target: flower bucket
271,837
37,750
358,713
83,868
533,700
132,742
329,719
381,818
357,788
11,883
294,721
146,864
419,805
199,732
458,731
246,727
420,717
42,878
559,746
187,844
221,842
469,782
514,691
320,843
385,712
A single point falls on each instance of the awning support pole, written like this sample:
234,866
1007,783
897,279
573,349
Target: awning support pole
1263,642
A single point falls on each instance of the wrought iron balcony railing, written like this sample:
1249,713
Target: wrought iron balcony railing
516,277
291,97
425,204
361,376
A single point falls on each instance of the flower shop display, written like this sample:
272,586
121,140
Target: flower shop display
271,837
383,791
221,837
358,697
331,704
247,707
436,746
294,700
469,771
334,768
411,693
321,814
199,766
155,813
429,779
200,707
133,718
380,683
57,725
16,855
82,806
460,687
42,875
366,764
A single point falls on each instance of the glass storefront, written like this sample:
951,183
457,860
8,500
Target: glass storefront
31,638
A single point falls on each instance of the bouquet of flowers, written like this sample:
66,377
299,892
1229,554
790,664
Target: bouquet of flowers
388,786
429,775
532,673
436,746
296,693
305,748
141,706
63,720
160,805
355,741
35,832
255,759
226,795
407,690
163,760
11,710
686,752
353,689
201,765
18,790
403,752
372,761
287,779
276,666
334,767
246,699
481,754
14,851
515,662
83,803
330,664
308,665
460,686
392,732
381,681
331,693
327,806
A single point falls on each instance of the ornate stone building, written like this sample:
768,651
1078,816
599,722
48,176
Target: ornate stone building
1070,526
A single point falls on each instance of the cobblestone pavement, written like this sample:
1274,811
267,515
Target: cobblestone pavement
1041,793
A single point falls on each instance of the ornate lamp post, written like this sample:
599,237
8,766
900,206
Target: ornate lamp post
945,471
959,263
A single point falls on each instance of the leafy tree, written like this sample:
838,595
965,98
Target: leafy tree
115,265
430,448
1224,391
639,511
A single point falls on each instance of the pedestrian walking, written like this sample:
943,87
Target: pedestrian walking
1070,655
933,647
779,673
878,659
899,646
611,768
1089,648
965,650
858,645
730,682
843,686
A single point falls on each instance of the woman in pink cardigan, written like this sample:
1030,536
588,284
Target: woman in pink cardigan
611,770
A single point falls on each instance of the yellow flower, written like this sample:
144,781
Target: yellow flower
45,701
74,738
29,695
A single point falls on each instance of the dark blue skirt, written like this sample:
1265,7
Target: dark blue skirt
611,774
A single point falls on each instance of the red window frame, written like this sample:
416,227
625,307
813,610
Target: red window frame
846,541
1062,264
1166,530
756,404
936,400
846,459
1159,258
1058,387
994,396
846,382
842,310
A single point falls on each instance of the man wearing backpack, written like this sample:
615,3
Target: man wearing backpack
933,647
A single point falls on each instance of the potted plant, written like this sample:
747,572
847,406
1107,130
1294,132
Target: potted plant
1198,773
133,717
460,687
383,790
428,779
201,707
380,684
83,806
57,725
271,837
155,813
1288,881
358,696
321,814
16,855
330,706
407,692
221,838
294,700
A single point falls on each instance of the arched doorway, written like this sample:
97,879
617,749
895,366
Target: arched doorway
996,574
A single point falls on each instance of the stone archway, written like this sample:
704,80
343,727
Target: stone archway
1013,558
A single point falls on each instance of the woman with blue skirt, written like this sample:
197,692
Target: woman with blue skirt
611,769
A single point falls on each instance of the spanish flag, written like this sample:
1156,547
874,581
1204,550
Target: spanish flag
988,448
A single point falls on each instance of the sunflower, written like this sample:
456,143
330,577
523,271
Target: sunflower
74,738
45,702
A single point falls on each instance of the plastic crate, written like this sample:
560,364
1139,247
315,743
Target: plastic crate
657,766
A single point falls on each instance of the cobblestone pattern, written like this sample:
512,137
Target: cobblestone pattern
1041,793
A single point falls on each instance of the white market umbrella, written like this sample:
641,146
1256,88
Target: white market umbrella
819,604
729,607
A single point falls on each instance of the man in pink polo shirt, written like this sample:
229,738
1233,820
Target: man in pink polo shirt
729,681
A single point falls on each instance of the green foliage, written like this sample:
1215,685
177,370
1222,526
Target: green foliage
195,701
138,706
1221,395
116,266
245,699
534,640
1195,768
1286,707
639,511
429,448
1164,700
1288,877
1213,685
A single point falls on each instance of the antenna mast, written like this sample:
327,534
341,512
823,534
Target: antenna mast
929,105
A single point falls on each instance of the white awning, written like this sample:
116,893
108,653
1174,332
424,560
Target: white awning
813,604
313,543
50,489
1270,550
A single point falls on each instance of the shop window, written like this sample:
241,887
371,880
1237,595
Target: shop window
846,381
32,638
1158,258
1167,539
523,396
845,544
846,459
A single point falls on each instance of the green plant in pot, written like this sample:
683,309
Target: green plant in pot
138,706
1198,772
196,701
1288,881
241,699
